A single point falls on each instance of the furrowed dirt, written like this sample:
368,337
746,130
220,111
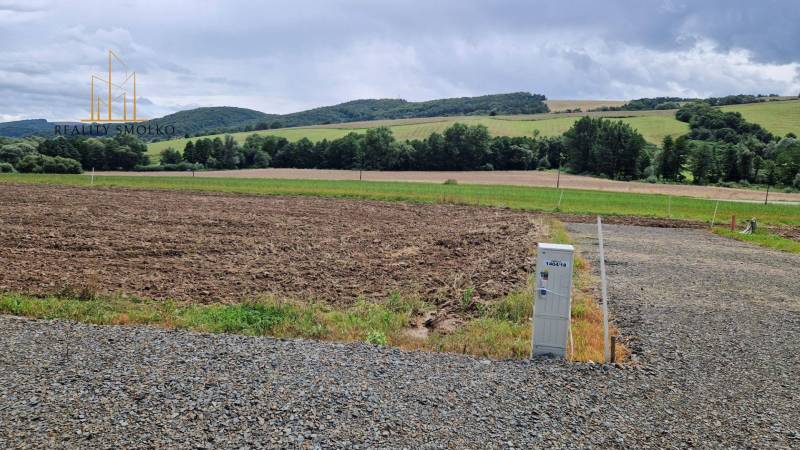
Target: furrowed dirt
206,247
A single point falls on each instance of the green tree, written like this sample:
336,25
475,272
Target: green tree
378,153
170,156
701,161
188,152
579,141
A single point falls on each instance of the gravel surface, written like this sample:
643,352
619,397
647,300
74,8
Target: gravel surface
714,325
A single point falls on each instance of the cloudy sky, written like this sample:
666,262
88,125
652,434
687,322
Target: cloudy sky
287,56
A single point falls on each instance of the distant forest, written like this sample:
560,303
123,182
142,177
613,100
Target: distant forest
656,103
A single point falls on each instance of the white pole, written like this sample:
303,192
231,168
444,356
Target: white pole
559,199
669,207
92,176
714,219
604,290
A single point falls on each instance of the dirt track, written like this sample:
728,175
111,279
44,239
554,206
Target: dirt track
205,247
510,177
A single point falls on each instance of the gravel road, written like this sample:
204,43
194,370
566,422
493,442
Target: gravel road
713,321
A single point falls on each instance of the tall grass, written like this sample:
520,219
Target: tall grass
518,197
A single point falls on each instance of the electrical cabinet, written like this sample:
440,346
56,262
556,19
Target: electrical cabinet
552,300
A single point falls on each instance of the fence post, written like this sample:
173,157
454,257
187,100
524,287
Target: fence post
604,290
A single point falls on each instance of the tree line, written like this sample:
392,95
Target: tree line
459,147
72,155
655,103
596,146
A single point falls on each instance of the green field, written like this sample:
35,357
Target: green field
517,197
653,127
779,117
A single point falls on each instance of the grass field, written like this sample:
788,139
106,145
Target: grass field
584,105
518,197
779,117
654,127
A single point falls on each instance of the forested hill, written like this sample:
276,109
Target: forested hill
213,119
223,119
357,110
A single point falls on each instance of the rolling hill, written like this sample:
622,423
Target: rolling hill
222,119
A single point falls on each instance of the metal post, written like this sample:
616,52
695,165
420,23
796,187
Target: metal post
604,290
558,177
92,176
613,349
767,197
733,222
558,208
713,219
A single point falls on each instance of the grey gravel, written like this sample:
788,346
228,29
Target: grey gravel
714,325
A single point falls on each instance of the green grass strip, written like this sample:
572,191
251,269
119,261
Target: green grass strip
518,197
763,239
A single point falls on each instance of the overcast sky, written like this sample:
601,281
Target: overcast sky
287,56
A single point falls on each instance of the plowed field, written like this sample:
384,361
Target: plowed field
206,247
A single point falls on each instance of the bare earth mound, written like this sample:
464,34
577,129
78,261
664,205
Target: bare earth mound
203,247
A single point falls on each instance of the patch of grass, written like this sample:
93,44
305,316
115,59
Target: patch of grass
377,337
515,197
763,239
264,317
488,337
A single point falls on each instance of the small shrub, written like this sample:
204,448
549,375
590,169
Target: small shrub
6,168
58,164
466,299
377,337
652,179
36,163
450,181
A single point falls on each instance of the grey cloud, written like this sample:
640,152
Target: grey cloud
279,57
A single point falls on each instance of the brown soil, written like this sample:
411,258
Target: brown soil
787,231
509,177
207,247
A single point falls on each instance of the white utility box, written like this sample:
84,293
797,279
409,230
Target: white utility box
552,299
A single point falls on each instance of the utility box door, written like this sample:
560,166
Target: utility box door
552,299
